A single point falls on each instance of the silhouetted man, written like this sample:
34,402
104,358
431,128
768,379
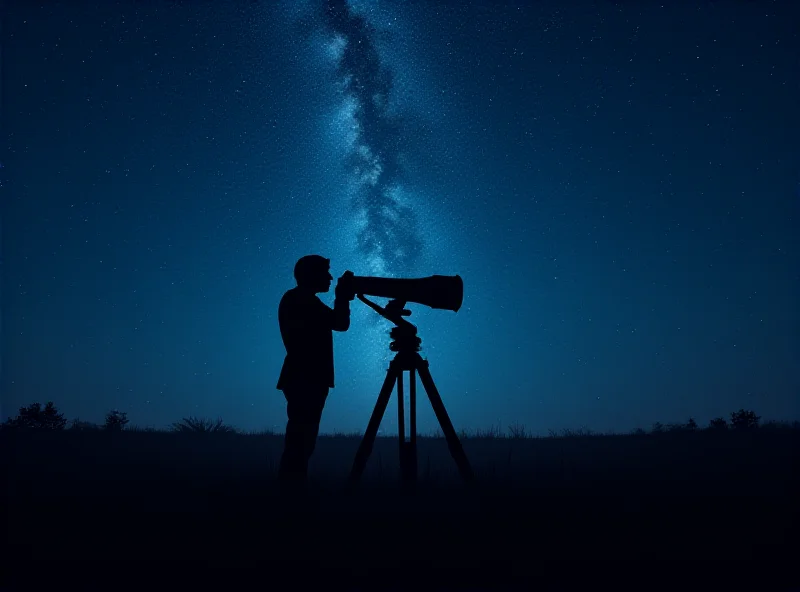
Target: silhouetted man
307,326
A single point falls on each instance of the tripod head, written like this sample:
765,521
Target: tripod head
436,291
404,335
394,311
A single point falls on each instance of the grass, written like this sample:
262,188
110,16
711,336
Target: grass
212,494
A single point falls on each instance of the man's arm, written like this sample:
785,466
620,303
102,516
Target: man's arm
340,319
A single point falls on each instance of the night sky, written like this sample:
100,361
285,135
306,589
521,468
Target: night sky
618,184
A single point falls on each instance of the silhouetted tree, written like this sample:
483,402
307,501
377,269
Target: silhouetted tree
744,420
658,427
691,425
116,420
718,423
34,417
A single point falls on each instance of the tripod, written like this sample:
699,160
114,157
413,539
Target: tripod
406,343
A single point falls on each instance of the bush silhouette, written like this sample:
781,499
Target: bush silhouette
116,421
689,426
33,417
718,423
517,430
196,425
744,420
79,425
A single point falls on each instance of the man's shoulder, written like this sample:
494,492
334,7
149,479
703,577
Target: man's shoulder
294,296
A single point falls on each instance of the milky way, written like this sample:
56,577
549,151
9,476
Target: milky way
372,136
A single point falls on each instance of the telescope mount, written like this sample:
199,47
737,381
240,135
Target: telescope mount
406,344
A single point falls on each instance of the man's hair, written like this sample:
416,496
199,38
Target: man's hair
309,266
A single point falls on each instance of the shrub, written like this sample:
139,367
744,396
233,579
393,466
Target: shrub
744,420
517,430
775,425
718,423
483,433
36,418
79,425
142,429
116,421
197,425
689,426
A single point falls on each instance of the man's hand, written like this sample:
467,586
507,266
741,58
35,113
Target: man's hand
344,286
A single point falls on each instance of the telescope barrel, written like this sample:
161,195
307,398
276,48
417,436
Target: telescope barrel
436,291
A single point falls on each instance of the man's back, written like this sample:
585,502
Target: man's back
306,325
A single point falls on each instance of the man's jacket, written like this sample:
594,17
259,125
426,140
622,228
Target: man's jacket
307,326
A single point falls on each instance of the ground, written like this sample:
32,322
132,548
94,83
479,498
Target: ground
95,495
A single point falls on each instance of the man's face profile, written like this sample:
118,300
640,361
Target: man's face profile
325,279
318,280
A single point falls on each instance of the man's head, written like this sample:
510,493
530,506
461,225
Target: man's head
312,273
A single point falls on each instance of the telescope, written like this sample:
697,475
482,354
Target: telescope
438,292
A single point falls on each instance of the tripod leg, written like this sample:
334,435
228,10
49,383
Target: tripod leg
401,428
453,443
401,412
412,420
365,448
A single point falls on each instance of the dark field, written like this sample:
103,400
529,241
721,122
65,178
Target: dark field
145,495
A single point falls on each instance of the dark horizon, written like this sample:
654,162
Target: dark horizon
621,202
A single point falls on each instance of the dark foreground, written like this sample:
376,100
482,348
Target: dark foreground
213,497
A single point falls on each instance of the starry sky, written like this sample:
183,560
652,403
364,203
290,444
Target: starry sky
617,183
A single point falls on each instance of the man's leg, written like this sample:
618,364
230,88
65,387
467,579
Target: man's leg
317,399
304,410
291,459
